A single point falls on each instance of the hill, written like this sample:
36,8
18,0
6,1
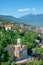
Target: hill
6,18
36,20
31,19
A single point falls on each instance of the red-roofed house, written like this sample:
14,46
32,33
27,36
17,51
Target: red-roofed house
8,26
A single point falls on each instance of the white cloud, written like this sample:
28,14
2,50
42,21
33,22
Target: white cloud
33,9
24,9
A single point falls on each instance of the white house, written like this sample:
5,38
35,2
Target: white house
8,27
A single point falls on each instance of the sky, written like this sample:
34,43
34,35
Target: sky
18,8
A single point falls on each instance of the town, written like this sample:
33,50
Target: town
20,44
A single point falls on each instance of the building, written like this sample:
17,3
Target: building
21,30
20,51
21,26
8,26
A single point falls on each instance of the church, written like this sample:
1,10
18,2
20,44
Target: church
20,51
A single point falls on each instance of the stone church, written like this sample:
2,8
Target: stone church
20,51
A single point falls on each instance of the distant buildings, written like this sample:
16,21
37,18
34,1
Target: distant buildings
39,29
42,30
0,23
21,26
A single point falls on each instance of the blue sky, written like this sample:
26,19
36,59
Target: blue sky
18,8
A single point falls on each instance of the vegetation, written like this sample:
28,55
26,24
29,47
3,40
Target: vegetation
8,38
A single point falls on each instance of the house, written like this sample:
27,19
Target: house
21,30
8,26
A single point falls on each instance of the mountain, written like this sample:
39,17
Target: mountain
8,18
32,19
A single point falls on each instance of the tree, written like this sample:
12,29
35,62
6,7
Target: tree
39,50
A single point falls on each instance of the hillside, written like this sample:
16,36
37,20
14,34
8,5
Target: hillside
36,20
31,19
6,18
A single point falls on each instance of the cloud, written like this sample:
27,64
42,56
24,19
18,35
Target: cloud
33,9
24,9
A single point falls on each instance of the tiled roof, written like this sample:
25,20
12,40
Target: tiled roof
9,25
